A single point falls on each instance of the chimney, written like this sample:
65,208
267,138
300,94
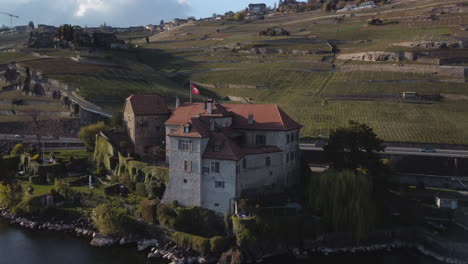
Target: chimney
177,102
212,124
251,120
209,106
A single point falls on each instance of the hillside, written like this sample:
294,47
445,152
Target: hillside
333,67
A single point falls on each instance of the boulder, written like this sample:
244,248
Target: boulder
146,243
103,241
273,32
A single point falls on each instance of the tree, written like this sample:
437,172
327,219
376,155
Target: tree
66,32
88,134
10,195
110,218
239,16
344,199
31,24
17,150
117,119
354,146
40,127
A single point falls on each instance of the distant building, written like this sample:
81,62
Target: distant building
144,117
220,152
46,28
257,8
22,28
446,202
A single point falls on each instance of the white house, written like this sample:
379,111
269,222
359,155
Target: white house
219,152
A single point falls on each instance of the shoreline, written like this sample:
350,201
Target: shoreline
157,249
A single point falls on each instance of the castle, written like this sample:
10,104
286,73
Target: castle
218,153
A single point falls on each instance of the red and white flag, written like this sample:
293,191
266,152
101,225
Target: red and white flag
195,90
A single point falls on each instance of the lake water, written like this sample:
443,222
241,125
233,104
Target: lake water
23,246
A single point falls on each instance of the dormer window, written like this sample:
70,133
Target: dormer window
217,148
186,129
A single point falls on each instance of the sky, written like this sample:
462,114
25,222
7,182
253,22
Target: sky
118,13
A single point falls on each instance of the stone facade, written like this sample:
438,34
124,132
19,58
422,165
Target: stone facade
144,123
215,159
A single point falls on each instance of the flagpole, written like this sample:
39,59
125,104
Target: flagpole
190,89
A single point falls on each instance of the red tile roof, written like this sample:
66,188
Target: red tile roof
198,129
230,150
148,104
267,117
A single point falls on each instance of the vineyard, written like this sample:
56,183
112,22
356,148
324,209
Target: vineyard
299,72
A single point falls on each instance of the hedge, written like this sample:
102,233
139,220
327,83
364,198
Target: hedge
149,211
196,243
155,178
218,244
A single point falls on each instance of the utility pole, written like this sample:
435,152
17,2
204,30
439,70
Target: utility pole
11,18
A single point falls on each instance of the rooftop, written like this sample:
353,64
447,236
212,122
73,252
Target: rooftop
147,104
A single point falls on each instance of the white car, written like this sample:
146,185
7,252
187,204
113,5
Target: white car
18,136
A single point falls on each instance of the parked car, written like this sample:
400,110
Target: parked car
18,136
428,150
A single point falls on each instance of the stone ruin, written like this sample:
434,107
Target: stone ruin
41,40
273,32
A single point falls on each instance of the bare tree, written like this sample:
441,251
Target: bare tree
41,127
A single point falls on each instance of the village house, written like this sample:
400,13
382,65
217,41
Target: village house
143,118
257,8
218,153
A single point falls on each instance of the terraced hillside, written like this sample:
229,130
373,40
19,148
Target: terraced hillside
303,72
332,68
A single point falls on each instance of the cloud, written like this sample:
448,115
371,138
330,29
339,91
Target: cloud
95,12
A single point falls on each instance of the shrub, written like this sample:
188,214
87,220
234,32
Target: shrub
29,205
7,196
140,189
199,221
149,211
88,134
18,149
166,215
196,243
217,244
111,219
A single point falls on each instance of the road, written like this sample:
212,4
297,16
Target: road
407,151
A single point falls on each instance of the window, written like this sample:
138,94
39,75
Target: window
206,169
292,155
216,204
260,140
219,184
287,157
185,180
215,166
292,137
217,148
268,161
244,163
187,165
187,129
288,138
185,145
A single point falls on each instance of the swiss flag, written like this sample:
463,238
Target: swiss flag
195,90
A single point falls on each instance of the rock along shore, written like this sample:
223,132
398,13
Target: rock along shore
176,255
